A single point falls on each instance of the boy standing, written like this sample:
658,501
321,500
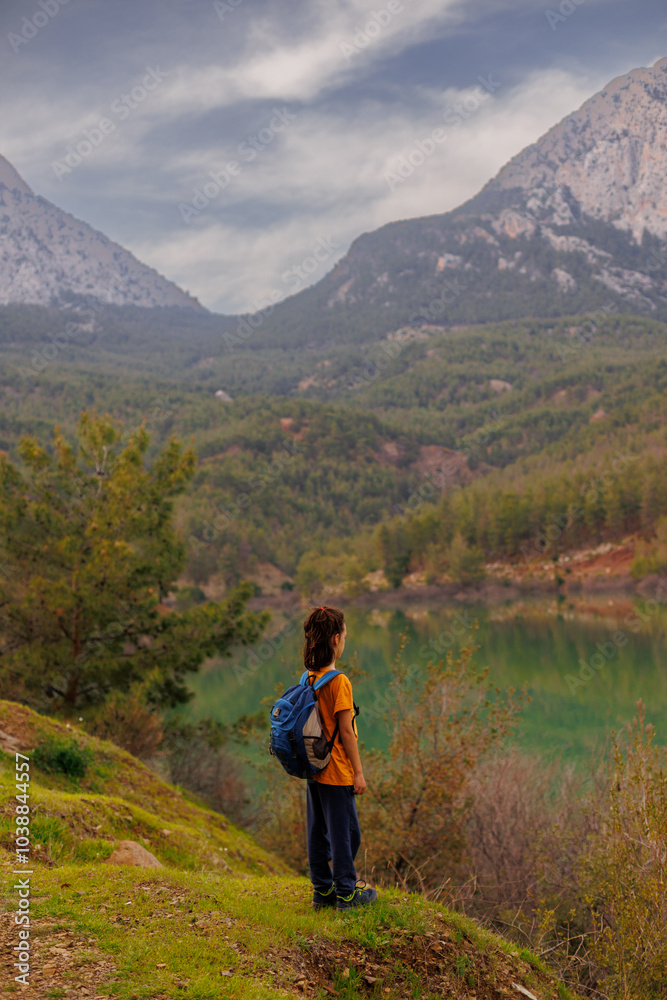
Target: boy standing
333,826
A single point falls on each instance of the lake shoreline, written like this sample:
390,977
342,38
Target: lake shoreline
603,571
488,592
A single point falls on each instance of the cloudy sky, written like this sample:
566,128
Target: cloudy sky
302,109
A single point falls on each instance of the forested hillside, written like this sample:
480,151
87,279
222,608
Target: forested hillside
479,437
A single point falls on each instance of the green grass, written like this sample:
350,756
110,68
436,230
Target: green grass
222,917
173,933
80,819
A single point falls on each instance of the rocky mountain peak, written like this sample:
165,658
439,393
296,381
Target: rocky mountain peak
609,157
47,255
11,177
574,223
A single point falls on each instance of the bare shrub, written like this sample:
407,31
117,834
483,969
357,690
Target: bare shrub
129,722
443,719
526,823
281,822
200,760
529,820
624,872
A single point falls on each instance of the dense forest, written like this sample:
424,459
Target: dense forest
434,449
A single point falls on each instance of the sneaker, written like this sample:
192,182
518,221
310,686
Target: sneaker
361,895
322,899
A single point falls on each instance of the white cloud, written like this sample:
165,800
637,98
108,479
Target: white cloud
326,176
339,40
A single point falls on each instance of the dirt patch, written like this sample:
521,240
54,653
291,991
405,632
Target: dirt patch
449,464
16,723
443,962
58,959
605,565
389,454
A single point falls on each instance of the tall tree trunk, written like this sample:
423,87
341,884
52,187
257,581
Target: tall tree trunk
72,689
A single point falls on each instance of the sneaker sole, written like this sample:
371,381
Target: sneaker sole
356,906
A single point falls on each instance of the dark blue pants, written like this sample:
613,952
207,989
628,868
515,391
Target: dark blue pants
333,836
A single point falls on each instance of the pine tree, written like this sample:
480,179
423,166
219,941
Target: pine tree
88,553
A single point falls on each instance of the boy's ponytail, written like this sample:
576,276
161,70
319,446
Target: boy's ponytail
321,625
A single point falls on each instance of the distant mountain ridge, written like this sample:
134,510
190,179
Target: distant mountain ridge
575,222
610,156
46,255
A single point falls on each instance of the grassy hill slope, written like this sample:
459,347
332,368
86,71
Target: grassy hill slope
204,926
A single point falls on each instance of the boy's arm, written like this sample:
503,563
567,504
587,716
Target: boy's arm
349,741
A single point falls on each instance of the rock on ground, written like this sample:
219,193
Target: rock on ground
129,852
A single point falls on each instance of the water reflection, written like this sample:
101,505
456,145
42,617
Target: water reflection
545,646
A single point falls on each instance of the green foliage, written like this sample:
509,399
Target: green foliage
394,552
283,478
65,756
443,719
89,551
652,557
465,562
625,872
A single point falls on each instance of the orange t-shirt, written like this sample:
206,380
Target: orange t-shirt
336,696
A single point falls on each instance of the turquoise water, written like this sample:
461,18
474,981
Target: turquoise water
537,646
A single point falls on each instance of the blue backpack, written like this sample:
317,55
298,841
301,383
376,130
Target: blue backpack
297,738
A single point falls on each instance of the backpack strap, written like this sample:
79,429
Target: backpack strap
326,677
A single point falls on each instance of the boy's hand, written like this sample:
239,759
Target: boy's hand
349,741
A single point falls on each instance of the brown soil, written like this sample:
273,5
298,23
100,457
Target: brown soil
447,962
605,566
51,953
